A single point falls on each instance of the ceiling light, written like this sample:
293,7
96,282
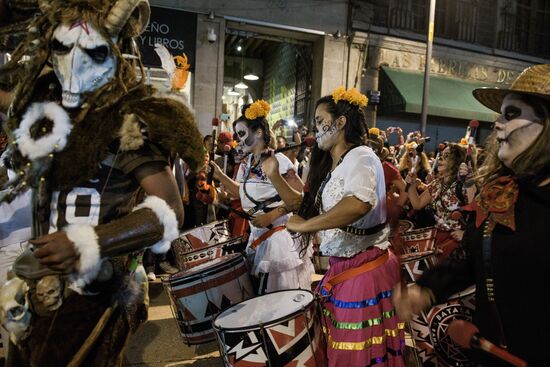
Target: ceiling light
239,48
251,77
233,92
241,85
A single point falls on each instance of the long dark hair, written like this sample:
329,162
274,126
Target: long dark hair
254,125
355,130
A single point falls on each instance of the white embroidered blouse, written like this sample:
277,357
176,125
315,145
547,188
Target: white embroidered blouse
361,175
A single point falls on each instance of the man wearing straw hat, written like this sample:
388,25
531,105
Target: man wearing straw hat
505,248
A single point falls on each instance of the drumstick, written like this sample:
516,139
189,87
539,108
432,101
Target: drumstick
467,335
226,150
471,130
309,141
215,123
440,148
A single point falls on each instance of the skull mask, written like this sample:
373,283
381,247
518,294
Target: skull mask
48,292
14,309
82,60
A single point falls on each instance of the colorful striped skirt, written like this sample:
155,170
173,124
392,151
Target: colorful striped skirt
361,326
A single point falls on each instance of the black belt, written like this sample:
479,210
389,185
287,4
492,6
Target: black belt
364,231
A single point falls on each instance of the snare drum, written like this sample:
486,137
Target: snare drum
429,330
414,264
419,240
404,226
198,239
200,256
197,294
277,329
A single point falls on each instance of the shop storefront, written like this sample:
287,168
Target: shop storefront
396,69
177,31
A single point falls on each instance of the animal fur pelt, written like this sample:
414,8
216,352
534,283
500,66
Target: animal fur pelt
163,121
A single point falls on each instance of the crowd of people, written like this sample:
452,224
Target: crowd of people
117,171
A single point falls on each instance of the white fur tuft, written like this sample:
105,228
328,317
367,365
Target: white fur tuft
55,141
86,244
167,218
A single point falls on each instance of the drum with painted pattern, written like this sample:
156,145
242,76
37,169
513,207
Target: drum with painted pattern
277,329
200,293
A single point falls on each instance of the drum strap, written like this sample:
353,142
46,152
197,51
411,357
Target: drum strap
353,272
489,283
265,236
259,205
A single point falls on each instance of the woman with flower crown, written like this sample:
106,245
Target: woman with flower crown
505,249
277,263
345,205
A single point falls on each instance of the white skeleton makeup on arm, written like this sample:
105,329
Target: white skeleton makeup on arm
82,60
517,128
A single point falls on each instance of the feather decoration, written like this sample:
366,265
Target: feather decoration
167,61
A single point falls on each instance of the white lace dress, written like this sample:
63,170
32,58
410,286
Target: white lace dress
361,175
279,255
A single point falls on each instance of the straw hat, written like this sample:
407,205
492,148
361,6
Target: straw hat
533,81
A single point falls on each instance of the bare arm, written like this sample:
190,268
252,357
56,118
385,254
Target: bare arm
347,211
289,189
160,182
418,201
403,196
230,186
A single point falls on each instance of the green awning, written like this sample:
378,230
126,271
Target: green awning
401,91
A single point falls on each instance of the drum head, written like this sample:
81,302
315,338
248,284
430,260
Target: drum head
264,309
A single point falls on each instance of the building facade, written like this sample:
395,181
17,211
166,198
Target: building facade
369,44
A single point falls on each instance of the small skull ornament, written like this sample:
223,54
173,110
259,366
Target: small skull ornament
14,309
49,292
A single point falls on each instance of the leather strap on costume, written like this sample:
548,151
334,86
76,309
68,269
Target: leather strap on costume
133,232
353,272
364,231
265,236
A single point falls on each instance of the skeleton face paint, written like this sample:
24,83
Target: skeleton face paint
517,128
246,138
326,128
82,60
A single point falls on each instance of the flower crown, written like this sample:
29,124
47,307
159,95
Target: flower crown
352,96
260,108
374,131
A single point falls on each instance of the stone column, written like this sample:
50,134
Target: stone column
208,78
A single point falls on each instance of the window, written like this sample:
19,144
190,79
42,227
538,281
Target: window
531,27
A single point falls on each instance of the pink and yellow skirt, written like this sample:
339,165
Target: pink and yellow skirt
361,325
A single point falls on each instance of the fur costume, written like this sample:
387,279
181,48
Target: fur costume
121,119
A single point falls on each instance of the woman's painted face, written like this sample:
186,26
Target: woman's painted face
517,128
246,138
326,128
